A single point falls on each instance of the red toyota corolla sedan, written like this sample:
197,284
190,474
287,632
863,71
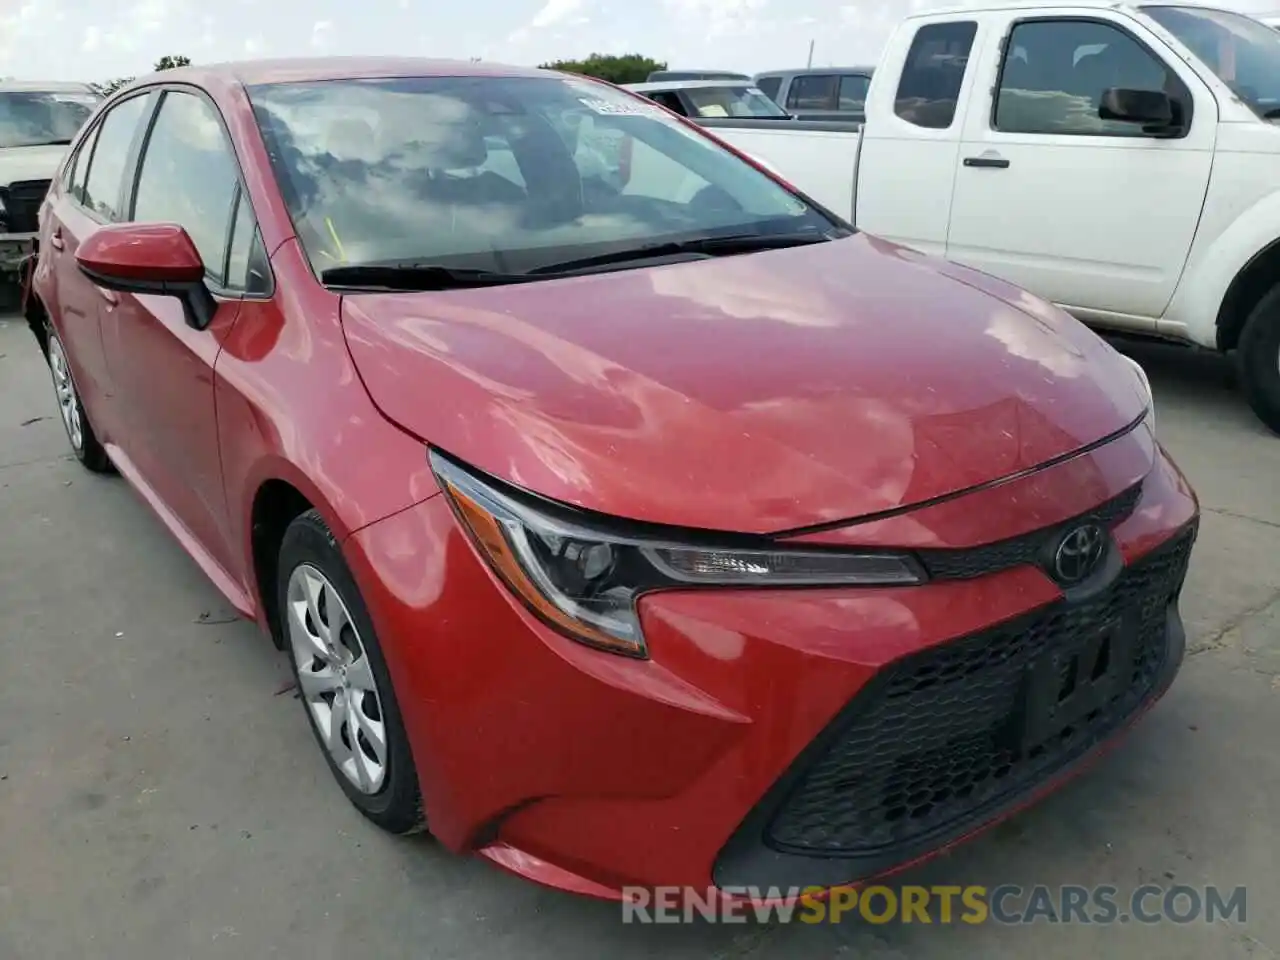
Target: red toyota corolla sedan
627,517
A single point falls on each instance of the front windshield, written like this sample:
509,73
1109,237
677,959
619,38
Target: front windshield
1244,53
502,173
748,102
30,118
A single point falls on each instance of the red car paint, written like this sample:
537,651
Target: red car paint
849,394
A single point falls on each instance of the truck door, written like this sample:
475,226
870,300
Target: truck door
1094,214
911,142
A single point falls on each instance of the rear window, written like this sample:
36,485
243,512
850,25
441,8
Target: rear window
934,71
501,173
732,102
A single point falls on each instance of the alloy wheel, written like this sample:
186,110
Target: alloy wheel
68,401
335,679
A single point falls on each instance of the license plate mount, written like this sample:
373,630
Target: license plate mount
1063,687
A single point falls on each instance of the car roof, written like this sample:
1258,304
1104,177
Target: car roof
43,86
814,71
686,85
303,69
1133,8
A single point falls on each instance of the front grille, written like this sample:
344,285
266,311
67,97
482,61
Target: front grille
22,205
939,738
966,563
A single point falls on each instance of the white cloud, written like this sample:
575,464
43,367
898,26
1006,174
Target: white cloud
92,38
253,46
554,12
322,35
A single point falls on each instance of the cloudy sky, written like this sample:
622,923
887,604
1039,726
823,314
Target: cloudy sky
85,40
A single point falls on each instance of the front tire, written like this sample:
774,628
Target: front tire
342,678
84,442
1259,360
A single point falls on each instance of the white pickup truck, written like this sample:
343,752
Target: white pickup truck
1120,161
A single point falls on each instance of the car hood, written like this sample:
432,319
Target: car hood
30,163
755,393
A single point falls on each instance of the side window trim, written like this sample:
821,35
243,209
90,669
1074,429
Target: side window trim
232,220
220,288
1185,93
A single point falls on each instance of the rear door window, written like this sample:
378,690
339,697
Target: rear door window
770,86
853,93
813,92
111,155
929,88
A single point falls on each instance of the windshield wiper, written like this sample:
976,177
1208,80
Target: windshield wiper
417,276
704,246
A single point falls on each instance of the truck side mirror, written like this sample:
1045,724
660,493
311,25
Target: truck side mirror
1151,108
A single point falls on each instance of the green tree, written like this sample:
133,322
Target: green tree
628,68
167,62
107,87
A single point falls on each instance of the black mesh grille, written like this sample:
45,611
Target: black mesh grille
22,204
941,735
1017,551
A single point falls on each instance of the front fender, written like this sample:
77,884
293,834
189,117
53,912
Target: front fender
1193,312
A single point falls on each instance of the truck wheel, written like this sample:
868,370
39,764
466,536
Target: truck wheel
1260,360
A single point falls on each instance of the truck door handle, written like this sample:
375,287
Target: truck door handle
999,163
55,240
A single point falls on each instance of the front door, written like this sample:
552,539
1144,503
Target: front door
162,366
1083,211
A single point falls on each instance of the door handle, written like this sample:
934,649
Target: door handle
999,163
108,296
55,240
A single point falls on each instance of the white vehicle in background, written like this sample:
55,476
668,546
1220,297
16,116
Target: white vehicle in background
711,99
37,122
1120,161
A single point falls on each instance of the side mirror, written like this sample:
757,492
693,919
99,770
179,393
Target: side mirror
1151,108
154,258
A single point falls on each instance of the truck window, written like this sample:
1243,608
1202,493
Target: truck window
933,72
1055,71
770,86
853,93
813,92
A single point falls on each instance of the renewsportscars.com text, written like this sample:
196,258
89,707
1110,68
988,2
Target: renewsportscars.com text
1006,904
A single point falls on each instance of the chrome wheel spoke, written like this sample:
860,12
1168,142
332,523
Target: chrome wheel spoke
360,677
318,685
304,638
338,721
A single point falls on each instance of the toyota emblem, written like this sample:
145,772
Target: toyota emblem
1079,553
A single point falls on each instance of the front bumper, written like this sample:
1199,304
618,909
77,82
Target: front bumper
807,737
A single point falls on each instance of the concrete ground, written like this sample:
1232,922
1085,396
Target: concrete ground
160,798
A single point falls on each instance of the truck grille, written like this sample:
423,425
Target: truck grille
22,205
939,740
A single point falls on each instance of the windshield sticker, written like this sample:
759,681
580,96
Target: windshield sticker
619,108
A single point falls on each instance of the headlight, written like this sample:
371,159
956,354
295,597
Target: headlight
1150,419
583,575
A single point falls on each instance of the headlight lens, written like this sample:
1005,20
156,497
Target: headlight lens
1150,419
584,579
